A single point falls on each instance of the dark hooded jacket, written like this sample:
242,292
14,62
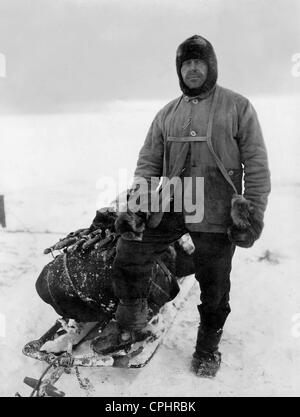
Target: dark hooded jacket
175,145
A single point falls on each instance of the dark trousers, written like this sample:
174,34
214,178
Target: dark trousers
212,259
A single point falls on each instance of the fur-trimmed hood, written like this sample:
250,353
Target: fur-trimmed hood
197,47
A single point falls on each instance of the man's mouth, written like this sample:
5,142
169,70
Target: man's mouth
194,76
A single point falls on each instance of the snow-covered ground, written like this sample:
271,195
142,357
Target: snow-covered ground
49,168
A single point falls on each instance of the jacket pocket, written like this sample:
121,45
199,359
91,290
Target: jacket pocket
218,194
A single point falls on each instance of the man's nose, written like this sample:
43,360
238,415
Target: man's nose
194,66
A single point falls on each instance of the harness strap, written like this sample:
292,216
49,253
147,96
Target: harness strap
187,139
209,142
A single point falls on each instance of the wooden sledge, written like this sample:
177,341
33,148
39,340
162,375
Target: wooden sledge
135,355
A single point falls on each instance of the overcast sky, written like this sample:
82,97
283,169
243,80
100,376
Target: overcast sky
66,55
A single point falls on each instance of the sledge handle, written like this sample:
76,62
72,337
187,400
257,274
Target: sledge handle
50,390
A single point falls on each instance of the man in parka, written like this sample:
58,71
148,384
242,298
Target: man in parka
211,134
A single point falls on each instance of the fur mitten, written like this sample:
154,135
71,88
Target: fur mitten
131,225
246,227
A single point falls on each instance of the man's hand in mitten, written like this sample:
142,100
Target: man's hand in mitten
104,220
246,227
131,225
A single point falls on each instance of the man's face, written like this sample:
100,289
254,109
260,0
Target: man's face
194,72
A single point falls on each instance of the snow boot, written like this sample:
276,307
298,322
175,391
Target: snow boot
132,316
206,364
113,339
206,358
